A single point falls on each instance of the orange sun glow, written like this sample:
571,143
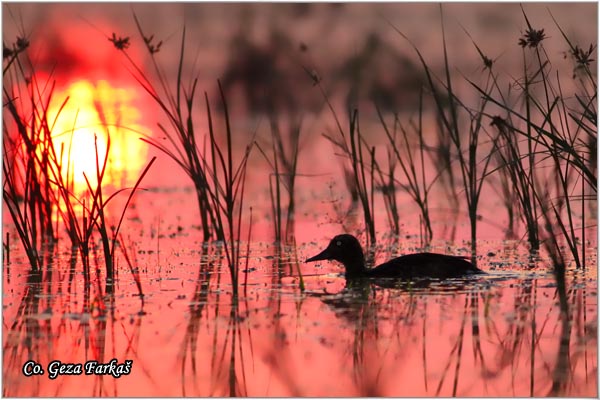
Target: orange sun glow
92,113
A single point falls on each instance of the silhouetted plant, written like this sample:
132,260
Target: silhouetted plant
412,164
386,183
176,101
562,141
219,183
35,186
284,165
450,110
28,190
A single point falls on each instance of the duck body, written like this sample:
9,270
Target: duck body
347,250
419,265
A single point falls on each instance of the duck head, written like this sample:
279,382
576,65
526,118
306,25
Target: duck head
347,250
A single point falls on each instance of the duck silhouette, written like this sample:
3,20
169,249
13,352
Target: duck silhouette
346,249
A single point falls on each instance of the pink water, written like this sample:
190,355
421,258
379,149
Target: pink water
497,335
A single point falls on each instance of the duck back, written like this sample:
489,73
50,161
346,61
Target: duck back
422,265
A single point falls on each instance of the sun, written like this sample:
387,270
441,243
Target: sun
81,128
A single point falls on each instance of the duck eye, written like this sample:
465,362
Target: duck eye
339,243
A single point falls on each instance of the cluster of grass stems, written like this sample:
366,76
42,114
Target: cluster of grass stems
38,190
282,183
355,149
219,181
285,149
540,147
412,168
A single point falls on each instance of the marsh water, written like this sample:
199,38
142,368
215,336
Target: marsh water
298,329
499,334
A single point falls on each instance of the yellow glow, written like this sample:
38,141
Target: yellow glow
98,111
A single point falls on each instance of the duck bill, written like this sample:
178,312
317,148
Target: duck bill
324,255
